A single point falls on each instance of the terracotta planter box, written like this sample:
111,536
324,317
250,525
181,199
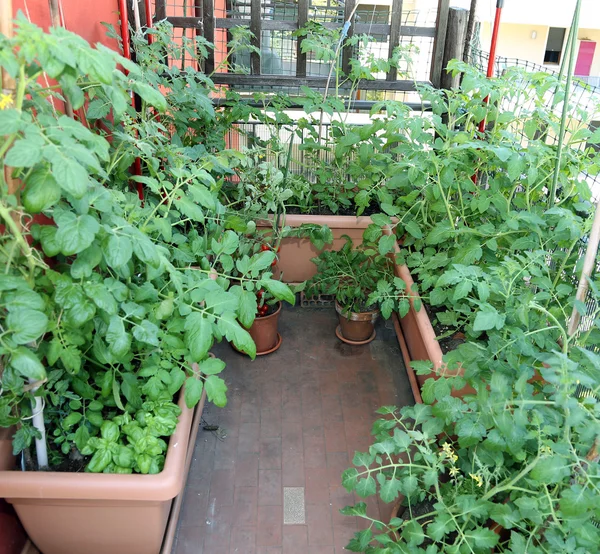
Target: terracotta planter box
418,341
294,258
76,513
12,535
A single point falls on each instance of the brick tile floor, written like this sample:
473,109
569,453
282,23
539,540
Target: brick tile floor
293,419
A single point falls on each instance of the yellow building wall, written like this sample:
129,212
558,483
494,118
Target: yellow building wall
515,41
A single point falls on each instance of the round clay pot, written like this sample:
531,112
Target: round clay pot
264,332
357,328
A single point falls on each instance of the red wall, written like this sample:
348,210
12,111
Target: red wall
83,17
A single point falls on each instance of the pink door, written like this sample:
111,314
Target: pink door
587,48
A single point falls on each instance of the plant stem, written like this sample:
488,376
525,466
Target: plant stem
565,110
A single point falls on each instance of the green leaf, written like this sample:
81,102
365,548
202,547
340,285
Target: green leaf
150,95
118,340
27,364
86,262
26,325
82,436
72,177
192,392
25,152
117,250
413,229
279,290
72,419
482,538
233,332
100,295
80,313
550,469
10,121
48,239
146,250
413,533
100,460
386,244
488,318
388,488
147,332
75,233
462,290
212,366
71,359
366,487
177,379
198,335
215,390
246,306
41,191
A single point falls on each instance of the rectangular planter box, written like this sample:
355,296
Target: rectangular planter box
294,258
87,513
418,341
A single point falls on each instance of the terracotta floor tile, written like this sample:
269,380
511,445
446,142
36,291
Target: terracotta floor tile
243,540
270,453
190,540
292,468
246,470
337,463
295,539
217,529
225,453
335,437
270,523
318,520
222,484
245,505
291,438
293,419
317,486
249,437
314,451
321,550
270,492
270,423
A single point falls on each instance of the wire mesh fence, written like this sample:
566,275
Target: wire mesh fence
584,103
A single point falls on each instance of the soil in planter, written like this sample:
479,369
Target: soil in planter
75,463
343,210
450,342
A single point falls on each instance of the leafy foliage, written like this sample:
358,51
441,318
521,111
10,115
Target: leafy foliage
360,279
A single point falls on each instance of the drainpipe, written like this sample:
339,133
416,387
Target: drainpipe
137,165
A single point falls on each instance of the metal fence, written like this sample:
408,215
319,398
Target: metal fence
282,66
585,98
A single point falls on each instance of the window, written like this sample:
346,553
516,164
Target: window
554,45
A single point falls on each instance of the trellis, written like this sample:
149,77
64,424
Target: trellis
206,20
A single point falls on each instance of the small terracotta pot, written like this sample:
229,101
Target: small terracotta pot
264,332
357,327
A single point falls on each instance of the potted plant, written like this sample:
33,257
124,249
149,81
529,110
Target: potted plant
108,328
363,283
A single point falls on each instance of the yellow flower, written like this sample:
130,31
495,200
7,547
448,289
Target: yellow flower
454,471
454,458
477,479
447,448
5,101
